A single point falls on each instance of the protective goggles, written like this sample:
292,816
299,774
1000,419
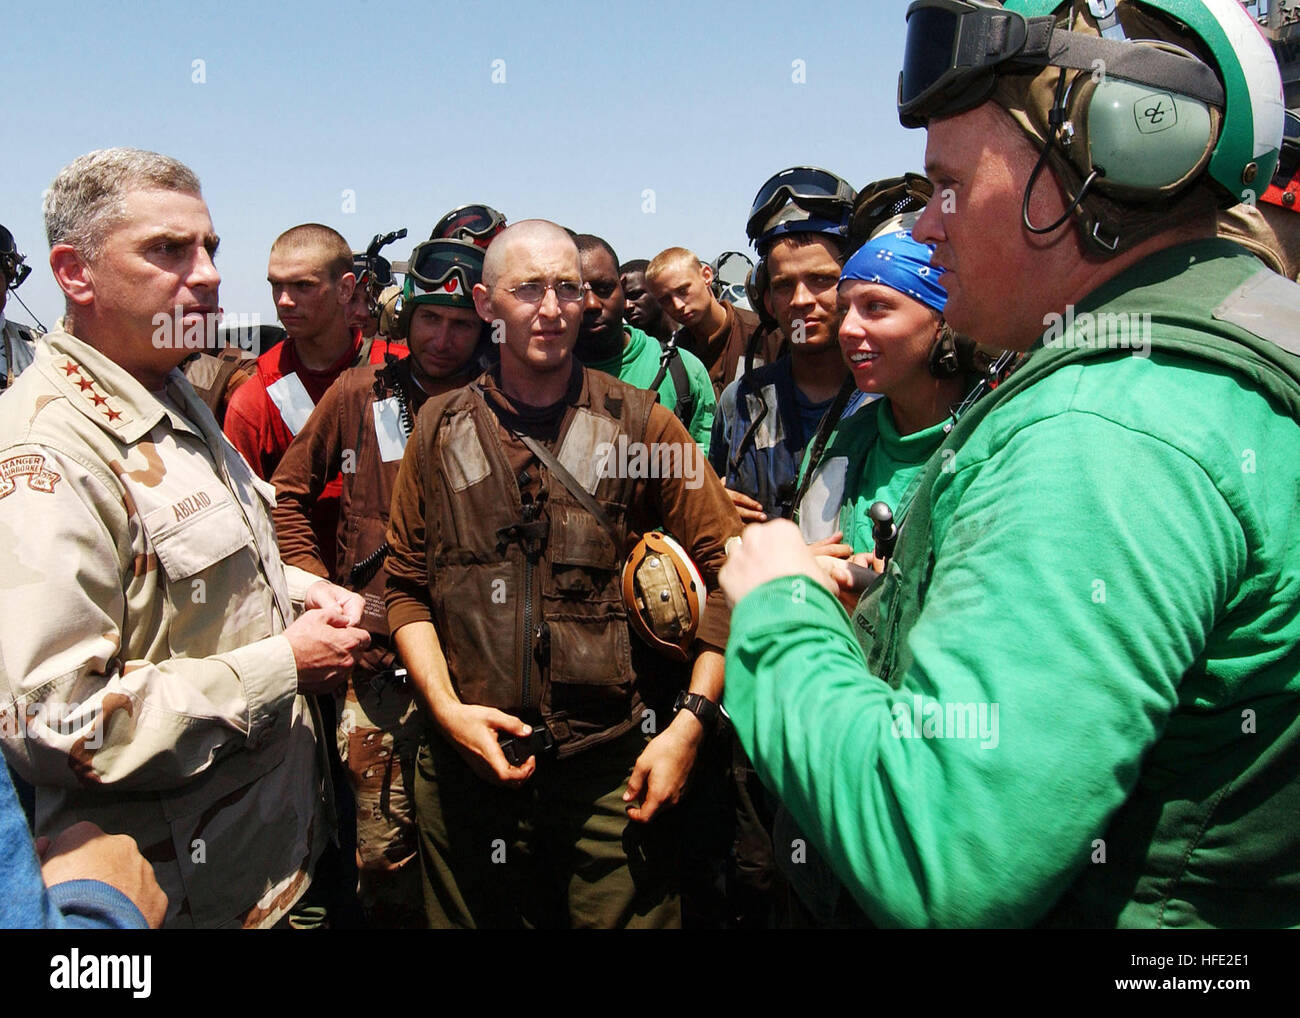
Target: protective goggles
818,192
448,267
374,271
475,223
956,48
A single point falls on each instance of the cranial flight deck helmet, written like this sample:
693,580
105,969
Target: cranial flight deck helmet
664,594
801,199
441,272
1131,102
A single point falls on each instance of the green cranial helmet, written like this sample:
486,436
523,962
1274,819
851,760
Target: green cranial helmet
1133,103
440,272
1245,153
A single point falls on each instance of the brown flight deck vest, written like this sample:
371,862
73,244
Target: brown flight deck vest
368,488
530,610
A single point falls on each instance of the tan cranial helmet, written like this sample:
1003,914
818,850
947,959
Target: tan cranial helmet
664,595
390,306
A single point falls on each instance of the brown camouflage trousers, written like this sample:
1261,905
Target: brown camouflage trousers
378,737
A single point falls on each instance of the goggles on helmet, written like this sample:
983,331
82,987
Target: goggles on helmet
477,224
956,48
372,271
820,193
446,268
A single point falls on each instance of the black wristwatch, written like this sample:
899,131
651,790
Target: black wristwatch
702,707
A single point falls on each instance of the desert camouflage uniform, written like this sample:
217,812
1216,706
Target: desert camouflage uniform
143,685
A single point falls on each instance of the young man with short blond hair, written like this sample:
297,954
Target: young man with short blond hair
717,332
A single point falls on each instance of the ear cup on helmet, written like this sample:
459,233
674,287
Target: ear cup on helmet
1146,141
944,362
394,313
756,283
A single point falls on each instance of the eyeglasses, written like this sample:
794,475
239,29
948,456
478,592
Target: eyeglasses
566,291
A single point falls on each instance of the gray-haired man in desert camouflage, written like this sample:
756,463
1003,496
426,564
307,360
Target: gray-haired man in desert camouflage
148,682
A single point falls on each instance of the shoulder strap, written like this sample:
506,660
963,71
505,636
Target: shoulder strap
667,354
685,408
562,475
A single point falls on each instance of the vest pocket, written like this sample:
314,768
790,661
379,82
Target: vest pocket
477,616
594,654
582,556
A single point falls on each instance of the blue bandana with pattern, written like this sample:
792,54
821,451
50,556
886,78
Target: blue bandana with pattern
898,261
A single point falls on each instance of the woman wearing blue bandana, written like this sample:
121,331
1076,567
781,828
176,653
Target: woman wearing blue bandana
895,341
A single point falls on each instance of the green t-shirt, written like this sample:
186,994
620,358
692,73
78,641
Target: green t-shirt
865,461
638,365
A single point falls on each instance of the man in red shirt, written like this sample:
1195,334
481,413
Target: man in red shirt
311,279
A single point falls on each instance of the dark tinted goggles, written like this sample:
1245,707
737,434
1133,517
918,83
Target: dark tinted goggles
434,262
951,50
956,48
476,223
372,271
816,191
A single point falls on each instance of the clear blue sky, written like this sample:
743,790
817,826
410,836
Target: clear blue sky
396,102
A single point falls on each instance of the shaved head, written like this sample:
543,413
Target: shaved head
512,238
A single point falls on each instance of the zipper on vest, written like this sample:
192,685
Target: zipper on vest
530,509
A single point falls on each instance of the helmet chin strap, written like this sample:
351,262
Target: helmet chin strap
1055,119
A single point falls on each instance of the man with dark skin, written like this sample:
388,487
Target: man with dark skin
643,311
803,269
19,341
626,352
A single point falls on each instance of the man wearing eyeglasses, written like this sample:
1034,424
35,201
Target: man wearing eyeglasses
629,354
359,431
542,790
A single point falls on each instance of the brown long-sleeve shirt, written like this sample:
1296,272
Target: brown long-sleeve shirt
357,434
724,352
